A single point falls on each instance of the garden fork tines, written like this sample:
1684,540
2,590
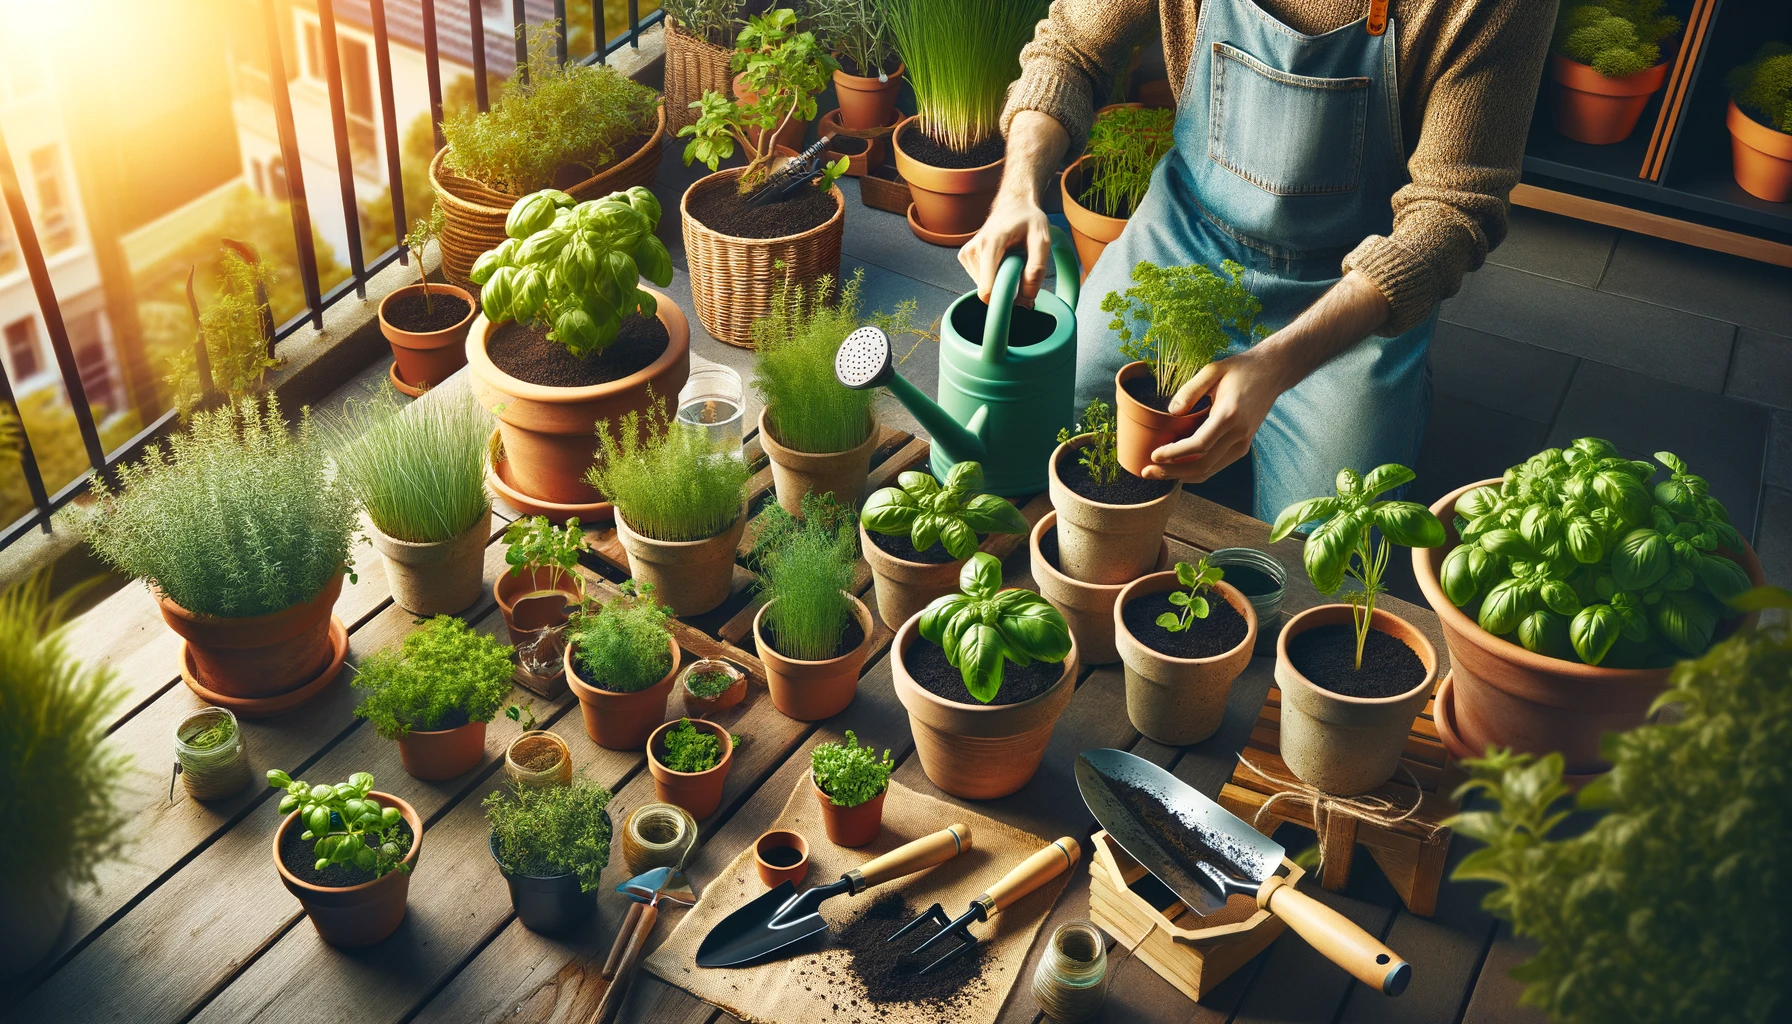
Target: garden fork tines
1028,875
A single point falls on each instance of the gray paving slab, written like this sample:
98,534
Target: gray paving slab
1774,542
1762,371
1779,451
1560,247
1499,373
1465,442
1714,284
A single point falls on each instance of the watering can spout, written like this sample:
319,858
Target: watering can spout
864,361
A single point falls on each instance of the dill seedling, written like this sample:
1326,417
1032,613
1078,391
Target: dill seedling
624,646
675,483
805,567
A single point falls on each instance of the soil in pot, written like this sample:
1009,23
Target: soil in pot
525,353
846,145
1326,655
1143,390
781,856
902,546
1222,629
927,664
918,145
891,973
725,211
409,312
849,640
299,858
1125,490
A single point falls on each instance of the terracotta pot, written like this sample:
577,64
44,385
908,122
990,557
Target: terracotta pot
810,691
34,913
1101,543
1139,429
781,839
689,576
1511,697
978,751
1088,607
1178,701
1761,157
850,826
795,473
527,749
870,158
622,721
260,656
549,432
734,694
1591,108
1090,231
439,578
867,103
358,915
534,599
428,358
904,587
790,136
700,793
442,753
948,201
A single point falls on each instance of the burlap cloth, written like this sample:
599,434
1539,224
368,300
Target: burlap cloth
817,986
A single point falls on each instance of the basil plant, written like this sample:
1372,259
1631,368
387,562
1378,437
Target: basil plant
983,627
340,820
573,266
952,515
1576,557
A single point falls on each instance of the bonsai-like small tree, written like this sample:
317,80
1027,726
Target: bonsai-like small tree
1192,315
1613,37
983,627
427,229
952,515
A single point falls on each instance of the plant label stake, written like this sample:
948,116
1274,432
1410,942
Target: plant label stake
1029,874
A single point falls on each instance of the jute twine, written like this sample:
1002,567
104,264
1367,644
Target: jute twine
1322,806
657,836
1072,979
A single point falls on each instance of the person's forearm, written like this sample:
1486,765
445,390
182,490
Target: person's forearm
1346,314
1036,144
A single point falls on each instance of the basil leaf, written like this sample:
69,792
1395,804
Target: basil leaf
1584,540
1724,578
1593,631
889,511
653,260
1179,599
966,477
1686,621
924,531
1300,513
959,540
980,656
1349,486
1641,557
1386,478
1545,632
920,485
1169,621
988,513
1036,629
1478,502
938,612
1560,597
1457,577
1328,550
1623,494
981,576
1507,603
1408,524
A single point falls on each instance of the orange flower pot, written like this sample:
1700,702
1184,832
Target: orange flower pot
442,753
425,359
810,691
700,793
950,203
1591,108
867,103
1139,429
781,839
260,656
850,826
534,599
1090,231
621,721
358,915
1761,157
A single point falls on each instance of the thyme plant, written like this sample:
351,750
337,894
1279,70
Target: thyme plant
1101,456
712,21
856,30
418,467
805,570
669,481
344,826
1613,37
442,673
552,830
961,56
1198,579
1763,86
623,646
848,773
1192,315
1125,144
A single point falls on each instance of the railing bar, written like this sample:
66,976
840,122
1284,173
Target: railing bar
601,49
622,40
293,163
432,63
560,30
476,20
634,22
34,478
382,47
384,260
48,505
345,169
22,526
519,23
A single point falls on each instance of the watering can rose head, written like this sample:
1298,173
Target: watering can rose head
573,266
953,514
983,627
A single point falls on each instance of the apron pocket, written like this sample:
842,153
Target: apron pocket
1286,134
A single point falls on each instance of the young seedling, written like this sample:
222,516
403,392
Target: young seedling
953,514
536,543
1101,456
522,714
983,627
708,684
1198,578
427,229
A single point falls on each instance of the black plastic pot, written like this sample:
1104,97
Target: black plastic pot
549,904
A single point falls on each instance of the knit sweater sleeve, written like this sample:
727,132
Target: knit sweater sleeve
1470,146
1076,54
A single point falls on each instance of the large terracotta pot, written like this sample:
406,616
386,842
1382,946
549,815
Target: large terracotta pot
1510,697
359,915
549,433
535,599
810,691
1088,607
734,279
1178,701
439,578
689,576
1090,231
978,751
428,358
1760,157
1139,429
1589,107
700,793
850,826
622,721
440,754
1339,744
796,473
950,203
904,587
1102,543
260,656
34,913
867,103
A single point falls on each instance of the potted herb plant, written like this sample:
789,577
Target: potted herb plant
984,674
850,782
811,633
551,845
762,52
689,763
1087,607
419,470
1190,316
1567,590
1184,636
1103,187
346,851
712,685
1353,676
961,56
252,605
918,534
680,506
870,72
435,695
1110,522
1606,62
210,756
538,757
699,53
426,324
1760,123
543,579
61,786
583,343
620,662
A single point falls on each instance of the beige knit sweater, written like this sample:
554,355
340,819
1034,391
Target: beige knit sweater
1468,70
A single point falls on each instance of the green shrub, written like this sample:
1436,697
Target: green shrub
344,826
445,670
1191,316
236,328
713,21
784,69
850,774
805,569
236,517
624,646
690,749
552,830
1613,37
962,55
418,467
1125,145
856,30
1670,907
1763,86
669,481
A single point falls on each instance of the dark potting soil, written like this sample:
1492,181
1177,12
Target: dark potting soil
781,856
917,145
846,145
891,973
1222,629
409,312
1143,389
902,546
1125,490
720,208
301,859
927,663
525,353
1250,582
453,718
1186,844
1326,655
852,638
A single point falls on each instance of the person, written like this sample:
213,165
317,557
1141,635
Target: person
1355,156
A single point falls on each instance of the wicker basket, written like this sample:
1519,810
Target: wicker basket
884,194
732,279
473,215
693,66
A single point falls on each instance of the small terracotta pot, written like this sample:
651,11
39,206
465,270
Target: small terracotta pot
438,578
1090,231
431,357
1088,607
734,694
810,691
359,915
903,587
1760,156
978,751
1347,745
534,599
260,656
781,839
870,158
622,721
1106,544
440,754
796,473
948,200
1178,701
1591,108
866,102
700,793
850,826
791,135
526,749
1139,429
689,576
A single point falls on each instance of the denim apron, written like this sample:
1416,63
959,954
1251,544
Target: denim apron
1287,155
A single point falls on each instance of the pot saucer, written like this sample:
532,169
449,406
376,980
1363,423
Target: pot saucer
280,703
497,478
398,382
937,238
1443,714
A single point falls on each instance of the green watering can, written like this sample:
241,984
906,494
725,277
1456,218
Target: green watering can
1007,377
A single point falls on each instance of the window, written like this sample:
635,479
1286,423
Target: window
93,359
57,227
22,351
357,86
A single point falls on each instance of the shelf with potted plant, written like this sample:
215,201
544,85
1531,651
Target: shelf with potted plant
426,323
551,845
435,696
812,634
1104,186
918,534
1605,64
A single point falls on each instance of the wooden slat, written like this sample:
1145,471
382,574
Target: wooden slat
1646,223
1494,999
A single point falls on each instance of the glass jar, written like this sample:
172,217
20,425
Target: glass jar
218,769
657,836
538,759
1072,979
713,401
1262,579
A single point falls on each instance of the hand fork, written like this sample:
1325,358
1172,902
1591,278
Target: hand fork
1028,875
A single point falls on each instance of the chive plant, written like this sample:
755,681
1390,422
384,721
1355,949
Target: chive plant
671,482
805,567
961,56
1125,145
417,467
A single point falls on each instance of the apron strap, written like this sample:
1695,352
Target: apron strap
1377,22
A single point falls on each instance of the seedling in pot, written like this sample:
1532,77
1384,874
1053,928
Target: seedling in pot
952,515
536,543
444,675
669,481
983,627
1100,456
427,229
848,773
1193,602
708,684
346,827
690,749
553,830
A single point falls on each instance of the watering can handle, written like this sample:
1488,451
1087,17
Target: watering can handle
1007,287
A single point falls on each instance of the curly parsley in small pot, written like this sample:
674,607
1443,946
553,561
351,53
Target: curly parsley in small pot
713,685
689,762
850,781
435,695
1184,636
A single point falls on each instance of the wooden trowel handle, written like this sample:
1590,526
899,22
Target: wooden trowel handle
1032,873
1336,937
909,858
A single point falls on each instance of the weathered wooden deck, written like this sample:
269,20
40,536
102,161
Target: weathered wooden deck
195,924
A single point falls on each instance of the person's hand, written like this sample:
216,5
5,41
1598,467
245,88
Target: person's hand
1014,220
1243,388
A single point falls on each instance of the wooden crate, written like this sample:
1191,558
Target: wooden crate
1191,951
885,194
1410,854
